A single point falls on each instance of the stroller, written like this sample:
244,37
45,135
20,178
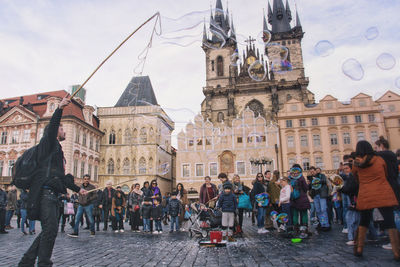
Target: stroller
204,220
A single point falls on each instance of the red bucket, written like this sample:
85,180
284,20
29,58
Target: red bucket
215,236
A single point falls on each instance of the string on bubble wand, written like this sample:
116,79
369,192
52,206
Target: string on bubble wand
156,15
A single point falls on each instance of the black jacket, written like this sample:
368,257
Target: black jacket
323,192
146,192
258,188
156,212
145,211
227,202
99,200
107,201
3,199
57,180
174,207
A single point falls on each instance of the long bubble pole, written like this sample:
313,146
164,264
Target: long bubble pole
103,187
112,53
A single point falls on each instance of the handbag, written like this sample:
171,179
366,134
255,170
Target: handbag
69,208
187,215
211,203
244,202
136,208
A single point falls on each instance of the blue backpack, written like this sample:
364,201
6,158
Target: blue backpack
244,202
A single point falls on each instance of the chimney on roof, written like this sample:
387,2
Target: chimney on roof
21,100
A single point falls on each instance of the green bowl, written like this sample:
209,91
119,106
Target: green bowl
296,240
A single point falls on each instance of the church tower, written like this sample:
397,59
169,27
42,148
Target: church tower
266,78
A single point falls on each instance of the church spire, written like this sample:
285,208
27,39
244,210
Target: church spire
280,18
265,25
288,12
205,39
218,5
270,14
227,20
233,33
298,23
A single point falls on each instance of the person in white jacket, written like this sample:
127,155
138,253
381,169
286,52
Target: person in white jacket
284,198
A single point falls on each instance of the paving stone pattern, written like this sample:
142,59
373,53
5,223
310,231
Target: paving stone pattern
178,249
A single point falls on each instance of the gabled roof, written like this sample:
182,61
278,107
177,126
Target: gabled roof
388,96
360,95
139,92
328,98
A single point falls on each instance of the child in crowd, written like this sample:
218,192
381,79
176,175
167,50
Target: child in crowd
156,216
284,198
118,212
228,204
174,210
145,213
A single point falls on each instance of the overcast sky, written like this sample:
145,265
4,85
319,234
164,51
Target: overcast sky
49,45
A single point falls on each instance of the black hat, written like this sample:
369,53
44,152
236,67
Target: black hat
228,186
364,148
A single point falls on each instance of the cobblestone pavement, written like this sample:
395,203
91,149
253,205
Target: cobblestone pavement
178,249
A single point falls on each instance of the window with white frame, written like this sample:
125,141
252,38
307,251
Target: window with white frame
303,140
1,167
15,137
255,169
10,167
91,142
306,164
213,169
199,170
82,169
290,141
95,173
314,121
346,139
77,136
84,136
4,138
360,136
358,118
343,119
241,168
319,163
374,136
97,145
335,161
291,162
185,170
27,135
142,165
331,120
289,124
75,170
316,140
371,117
89,170
302,122
333,138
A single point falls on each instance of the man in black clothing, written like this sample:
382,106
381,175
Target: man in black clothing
3,204
108,194
49,181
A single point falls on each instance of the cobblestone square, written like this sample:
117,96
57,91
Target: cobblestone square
178,249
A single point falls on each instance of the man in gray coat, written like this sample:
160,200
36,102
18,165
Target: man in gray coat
11,206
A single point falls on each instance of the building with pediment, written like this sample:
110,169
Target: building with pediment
23,119
137,139
321,134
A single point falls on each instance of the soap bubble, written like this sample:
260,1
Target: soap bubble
371,33
385,61
277,55
258,71
274,213
353,69
264,37
235,59
283,218
397,82
281,66
324,48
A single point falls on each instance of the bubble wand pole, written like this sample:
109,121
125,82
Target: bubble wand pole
115,50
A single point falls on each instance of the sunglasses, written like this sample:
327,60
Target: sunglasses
154,183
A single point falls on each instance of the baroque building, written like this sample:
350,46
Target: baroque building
23,119
137,139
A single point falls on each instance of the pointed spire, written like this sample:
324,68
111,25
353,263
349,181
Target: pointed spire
288,12
270,14
204,33
298,23
227,20
265,25
233,32
279,20
218,5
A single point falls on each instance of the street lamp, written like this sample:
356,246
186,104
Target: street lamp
277,159
260,162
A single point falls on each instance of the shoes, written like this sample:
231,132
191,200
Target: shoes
387,246
73,235
262,231
8,227
121,231
116,231
86,228
24,233
92,233
159,232
350,243
231,239
4,232
345,231
155,233
31,233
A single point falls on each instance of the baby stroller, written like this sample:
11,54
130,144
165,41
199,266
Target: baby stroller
204,220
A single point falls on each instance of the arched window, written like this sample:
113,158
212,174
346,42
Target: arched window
126,166
142,166
134,166
220,117
110,166
143,135
150,164
111,139
220,66
127,136
257,107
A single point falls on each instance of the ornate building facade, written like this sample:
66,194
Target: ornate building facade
137,139
23,119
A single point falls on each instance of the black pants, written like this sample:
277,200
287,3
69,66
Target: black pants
387,214
2,219
107,215
43,245
134,219
63,218
240,213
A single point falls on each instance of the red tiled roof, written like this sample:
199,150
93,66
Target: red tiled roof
39,106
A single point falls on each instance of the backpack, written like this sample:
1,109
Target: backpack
25,168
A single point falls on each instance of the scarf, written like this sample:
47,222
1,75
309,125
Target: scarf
155,190
138,191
